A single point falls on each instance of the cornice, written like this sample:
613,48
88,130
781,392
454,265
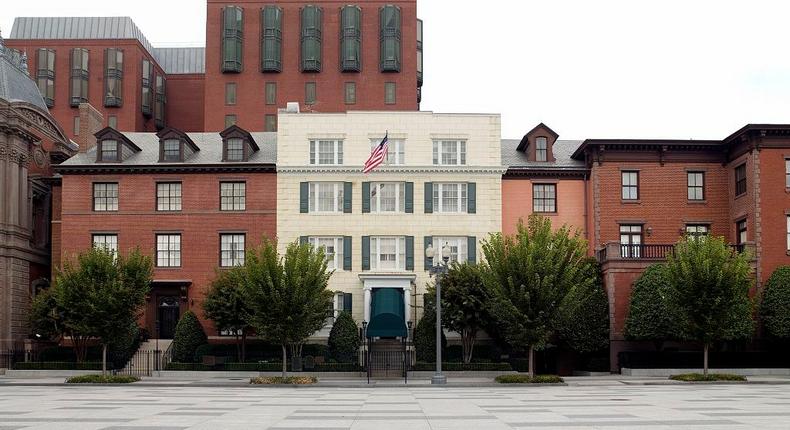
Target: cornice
153,168
493,170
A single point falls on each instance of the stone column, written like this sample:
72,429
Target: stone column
366,303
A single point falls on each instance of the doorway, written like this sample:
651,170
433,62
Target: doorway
167,316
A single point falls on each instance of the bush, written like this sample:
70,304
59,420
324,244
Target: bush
123,347
343,343
582,320
651,316
699,377
188,337
775,307
464,367
57,365
526,379
186,366
289,380
425,333
102,379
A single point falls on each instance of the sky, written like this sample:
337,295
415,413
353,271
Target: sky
588,69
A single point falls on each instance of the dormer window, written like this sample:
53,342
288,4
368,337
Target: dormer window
109,150
112,146
237,144
541,149
235,150
171,150
175,145
537,144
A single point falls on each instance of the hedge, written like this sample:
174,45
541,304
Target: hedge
56,365
775,306
526,379
262,367
102,379
464,367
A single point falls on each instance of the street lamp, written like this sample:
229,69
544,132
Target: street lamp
438,270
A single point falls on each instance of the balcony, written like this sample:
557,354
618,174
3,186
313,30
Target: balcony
615,251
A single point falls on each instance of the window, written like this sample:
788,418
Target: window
232,196
112,121
788,232
168,196
457,249
326,197
696,185
107,242
147,84
419,55
232,37
630,241
230,120
171,150
105,197
387,197
544,198
395,150
79,76
45,75
271,39
541,149
387,253
270,122
161,99
740,228
109,150
326,152
389,93
113,77
234,150
311,38
168,250
450,197
740,179
271,93
389,38
350,39
351,93
449,152
76,125
333,248
697,229
630,185
787,173
309,93
231,249
230,93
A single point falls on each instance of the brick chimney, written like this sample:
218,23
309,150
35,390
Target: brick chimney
91,121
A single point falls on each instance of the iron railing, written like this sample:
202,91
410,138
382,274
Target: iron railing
617,251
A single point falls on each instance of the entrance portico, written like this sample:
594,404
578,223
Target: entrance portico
401,281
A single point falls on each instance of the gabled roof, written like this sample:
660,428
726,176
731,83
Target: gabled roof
170,131
236,131
111,133
522,146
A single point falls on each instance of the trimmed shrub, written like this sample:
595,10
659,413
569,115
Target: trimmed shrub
289,380
102,379
526,379
188,337
343,343
699,377
651,317
775,306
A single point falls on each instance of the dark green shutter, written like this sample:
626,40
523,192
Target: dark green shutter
471,198
429,197
409,195
428,241
304,196
471,249
347,302
347,253
365,197
303,240
365,252
347,197
409,252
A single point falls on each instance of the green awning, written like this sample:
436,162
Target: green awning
387,313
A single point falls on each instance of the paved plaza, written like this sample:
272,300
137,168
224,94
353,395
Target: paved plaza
611,405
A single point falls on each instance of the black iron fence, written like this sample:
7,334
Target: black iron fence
617,251
142,363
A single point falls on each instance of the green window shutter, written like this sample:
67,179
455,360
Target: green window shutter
471,198
427,241
365,252
347,302
409,252
389,38
347,197
429,197
365,197
347,253
232,37
304,195
271,39
471,249
303,240
311,38
350,39
409,196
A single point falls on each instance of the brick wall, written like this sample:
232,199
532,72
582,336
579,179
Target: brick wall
517,203
184,107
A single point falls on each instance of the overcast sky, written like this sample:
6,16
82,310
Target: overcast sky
588,69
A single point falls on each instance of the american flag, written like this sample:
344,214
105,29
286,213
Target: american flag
377,155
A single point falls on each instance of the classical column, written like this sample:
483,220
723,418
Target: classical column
366,292
407,302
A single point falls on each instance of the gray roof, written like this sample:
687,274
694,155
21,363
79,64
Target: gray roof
15,83
181,60
562,151
210,145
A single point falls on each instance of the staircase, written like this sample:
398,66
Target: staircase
143,362
386,359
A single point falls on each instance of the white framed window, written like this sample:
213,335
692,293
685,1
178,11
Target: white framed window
388,253
234,150
326,197
449,152
388,197
458,251
396,154
231,249
168,196
109,150
630,185
450,197
108,242
333,249
630,241
544,198
541,149
232,196
788,233
697,229
326,152
168,250
105,196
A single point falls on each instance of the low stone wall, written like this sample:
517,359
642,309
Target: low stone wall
743,372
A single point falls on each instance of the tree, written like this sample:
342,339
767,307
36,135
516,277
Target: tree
652,315
775,306
583,317
463,303
710,284
189,335
287,296
529,275
224,304
343,343
425,331
45,317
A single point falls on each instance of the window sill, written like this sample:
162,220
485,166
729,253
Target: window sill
328,213
545,213
631,202
167,267
739,196
697,202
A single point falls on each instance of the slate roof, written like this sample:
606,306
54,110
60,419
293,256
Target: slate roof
15,83
562,151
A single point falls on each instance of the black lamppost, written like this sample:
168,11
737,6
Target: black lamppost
438,270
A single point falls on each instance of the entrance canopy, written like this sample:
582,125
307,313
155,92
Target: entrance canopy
388,317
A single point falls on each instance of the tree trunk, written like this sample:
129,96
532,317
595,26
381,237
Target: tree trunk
104,359
238,347
531,372
285,362
468,338
243,345
705,360
79,347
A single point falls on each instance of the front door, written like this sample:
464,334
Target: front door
167,316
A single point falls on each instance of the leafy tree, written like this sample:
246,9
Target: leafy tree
463,303
45,317
224,304
343,343
189,335
775,307
583,317
710,288
425,332
530,274
287,296
652,315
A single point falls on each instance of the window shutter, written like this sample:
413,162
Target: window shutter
304,195
471,196
365,252
428,241
471,249
365,197
303,240
409,196
409,252
347,302
347,197
429,197
347,253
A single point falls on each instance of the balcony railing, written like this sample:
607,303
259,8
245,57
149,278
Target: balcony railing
617,251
